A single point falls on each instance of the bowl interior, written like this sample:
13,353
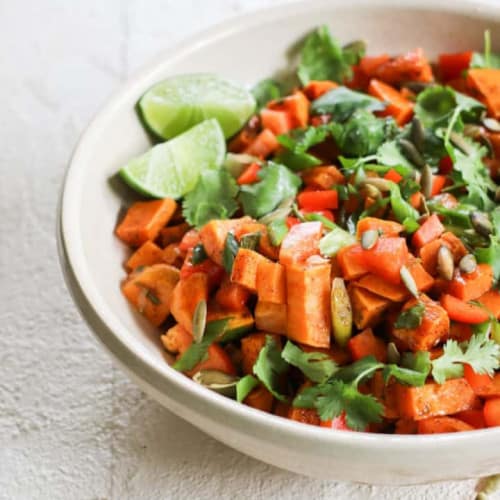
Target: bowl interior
244,54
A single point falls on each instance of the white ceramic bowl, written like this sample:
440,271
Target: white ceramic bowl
247,49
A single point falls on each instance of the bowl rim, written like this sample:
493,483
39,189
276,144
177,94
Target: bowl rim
105,325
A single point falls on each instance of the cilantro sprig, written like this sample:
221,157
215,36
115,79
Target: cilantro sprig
340,392
480,352
323,58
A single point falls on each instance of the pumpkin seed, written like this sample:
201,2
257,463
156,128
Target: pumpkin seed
408,281
426,181
393,355
372,192
461,143
217,381
445,264
369,239
417,134
497,195
199,321
491,124
473,131
341,309
383,185
411,153
468,264
481,223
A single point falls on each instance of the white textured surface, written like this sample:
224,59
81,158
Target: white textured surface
71,425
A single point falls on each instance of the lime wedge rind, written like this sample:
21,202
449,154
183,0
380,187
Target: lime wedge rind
176,104
171,169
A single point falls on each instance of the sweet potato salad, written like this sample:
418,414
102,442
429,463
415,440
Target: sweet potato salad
328,250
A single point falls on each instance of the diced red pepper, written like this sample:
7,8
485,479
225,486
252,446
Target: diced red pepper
445,165
393,175
292,221
250,175
428,231
318,200
452,66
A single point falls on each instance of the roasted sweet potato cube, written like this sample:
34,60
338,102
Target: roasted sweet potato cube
367,308
433,400
435,326
144,220
150,291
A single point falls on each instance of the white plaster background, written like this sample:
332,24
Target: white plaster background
71,425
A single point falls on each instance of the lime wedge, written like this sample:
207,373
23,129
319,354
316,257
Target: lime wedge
171,169
175,105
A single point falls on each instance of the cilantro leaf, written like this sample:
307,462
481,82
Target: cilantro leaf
316,366
322,57
335,397
212,198
296,161
390,155
359,371
342,102
276,184
197,350
480,352
265,91
245,386
436,105
270,366
361,135
299,140
411,318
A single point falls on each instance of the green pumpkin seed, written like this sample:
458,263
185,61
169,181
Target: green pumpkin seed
217,381
426,181
393,355
411,153
341,309
491,124
468,264
199,321
473,131
417,134
481,223
408,281
372,192
445,264
369,239
383,185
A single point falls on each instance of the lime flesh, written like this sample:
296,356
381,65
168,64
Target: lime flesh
171,169
178,103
